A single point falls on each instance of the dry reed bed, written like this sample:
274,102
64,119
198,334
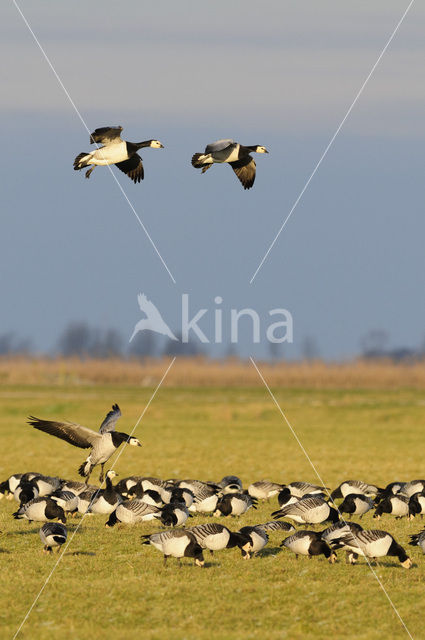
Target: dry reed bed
194,372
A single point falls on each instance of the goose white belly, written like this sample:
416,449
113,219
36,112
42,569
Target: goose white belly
36,512
258,542
102,506
175,546
239,507
205,506
109,155
300,546
216,541
399,507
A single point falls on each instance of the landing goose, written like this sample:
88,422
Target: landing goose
40,509
107,500
235,504
418,539
235,154
177,543
53,534
132,512
397,506
308,543
371,544
355,486
115,151
258,539
356,504
264,489
103,443
308,511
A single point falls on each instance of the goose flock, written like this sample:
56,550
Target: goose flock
123,154
137,499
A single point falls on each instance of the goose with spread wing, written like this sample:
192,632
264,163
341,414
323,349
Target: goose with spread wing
235,154
102,443
115,151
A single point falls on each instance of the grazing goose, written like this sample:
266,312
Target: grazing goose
276,525
235,504
415,486
25,491
298,490
397,506
132,512
356,504
84,499
355,486
230,484
7,487
178,543
52,534
174,514
371,544
205,498
107,500
46,484
115,151
308,543
76,487
215,537
40,510
68,500
103,443
418,539
235,154
341,527
417,505
391,489
308,511
264,489
258,539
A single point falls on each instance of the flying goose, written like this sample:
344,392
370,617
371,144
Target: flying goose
52,534
103,443
311,510
115,151
308,543
235,154
371,544
178,543
356,504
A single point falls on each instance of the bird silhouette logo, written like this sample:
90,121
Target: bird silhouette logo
153,320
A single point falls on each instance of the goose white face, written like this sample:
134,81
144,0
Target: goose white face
134,442
156,144
262,150
111,473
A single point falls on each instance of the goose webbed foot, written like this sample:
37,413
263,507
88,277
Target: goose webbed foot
89,172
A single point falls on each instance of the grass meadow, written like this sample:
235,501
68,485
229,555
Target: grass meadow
110,586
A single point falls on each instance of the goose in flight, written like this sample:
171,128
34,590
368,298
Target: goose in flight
153,321
235,154
102,443
115,151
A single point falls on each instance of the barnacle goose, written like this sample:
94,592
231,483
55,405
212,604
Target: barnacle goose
7,487
215,537
205,498
25,491
132,512
355,486
338,528
311,510
356,504
397,506
115,151
409,488
178,543
68,500
276,525
52,534
418,539
308,543
174,514
258,539
103,443
298,490
417,505
235,154
85,498
40,509
235,504
107,500
371,544
230,484
264,489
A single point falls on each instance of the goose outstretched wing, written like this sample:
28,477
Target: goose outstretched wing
133,168
73,433
105,135
110,420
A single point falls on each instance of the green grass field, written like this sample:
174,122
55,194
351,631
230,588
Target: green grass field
110,586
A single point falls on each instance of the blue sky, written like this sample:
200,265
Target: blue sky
282,74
